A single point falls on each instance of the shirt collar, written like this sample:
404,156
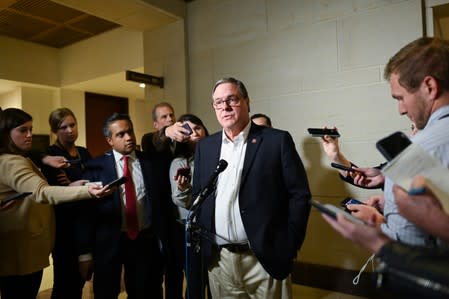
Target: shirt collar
118,156
439,113
243,135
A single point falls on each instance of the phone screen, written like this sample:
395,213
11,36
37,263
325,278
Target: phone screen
393,144
16,196
118,182
342,167
183,171
350,201
332,211
319,132
187,127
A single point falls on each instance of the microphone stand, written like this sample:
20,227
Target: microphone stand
193,234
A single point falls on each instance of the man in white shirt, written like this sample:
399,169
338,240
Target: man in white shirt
260,209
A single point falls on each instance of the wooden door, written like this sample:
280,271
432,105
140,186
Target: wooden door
98,108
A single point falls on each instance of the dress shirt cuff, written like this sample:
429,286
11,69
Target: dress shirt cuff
85,257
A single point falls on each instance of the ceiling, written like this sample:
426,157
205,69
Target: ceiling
60,23
49,23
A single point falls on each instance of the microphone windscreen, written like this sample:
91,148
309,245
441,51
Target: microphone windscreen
222,164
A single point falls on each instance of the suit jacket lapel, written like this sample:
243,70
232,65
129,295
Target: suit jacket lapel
252,146
216,153
110,170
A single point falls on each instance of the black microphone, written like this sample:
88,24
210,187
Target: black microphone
210,186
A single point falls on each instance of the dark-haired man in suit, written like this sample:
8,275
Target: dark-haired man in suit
129,227
261,203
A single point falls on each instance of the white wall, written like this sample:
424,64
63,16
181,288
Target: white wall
12,99
74,100
165,55
39,102
28,62
108,53
307,64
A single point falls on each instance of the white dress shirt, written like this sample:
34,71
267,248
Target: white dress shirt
139,186
228,221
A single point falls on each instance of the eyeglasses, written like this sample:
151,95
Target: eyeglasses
232,101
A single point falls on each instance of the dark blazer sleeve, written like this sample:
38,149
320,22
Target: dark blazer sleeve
107,209
155,170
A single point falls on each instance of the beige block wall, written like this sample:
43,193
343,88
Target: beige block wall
164,52
108,53
28,62
308,64
305,63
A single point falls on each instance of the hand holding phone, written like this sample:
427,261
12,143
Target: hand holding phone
16,196
74,162
185,171
188,128
332,211
350,201
319,132
117,182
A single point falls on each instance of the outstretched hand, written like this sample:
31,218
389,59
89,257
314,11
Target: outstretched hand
366,213
55,161
424,210
177,132
100,191
368,177
368,236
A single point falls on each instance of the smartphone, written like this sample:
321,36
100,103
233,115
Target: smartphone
319,132
350,201
332,211
342,167
392,145
74,162
183,171
188,128
117,182
16,196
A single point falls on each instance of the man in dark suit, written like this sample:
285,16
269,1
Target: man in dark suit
165,141
129,227
260,208
167,134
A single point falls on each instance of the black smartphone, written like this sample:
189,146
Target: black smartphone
117,182
74,162
342,167
332,211
188,128
185,171
350,201
16,196
319,132
392,145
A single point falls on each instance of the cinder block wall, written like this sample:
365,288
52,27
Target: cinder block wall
308,64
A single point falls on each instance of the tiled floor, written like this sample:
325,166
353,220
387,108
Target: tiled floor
299,292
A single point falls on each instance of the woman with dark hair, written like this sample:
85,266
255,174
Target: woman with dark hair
27,225
181,169
67,281
181,174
